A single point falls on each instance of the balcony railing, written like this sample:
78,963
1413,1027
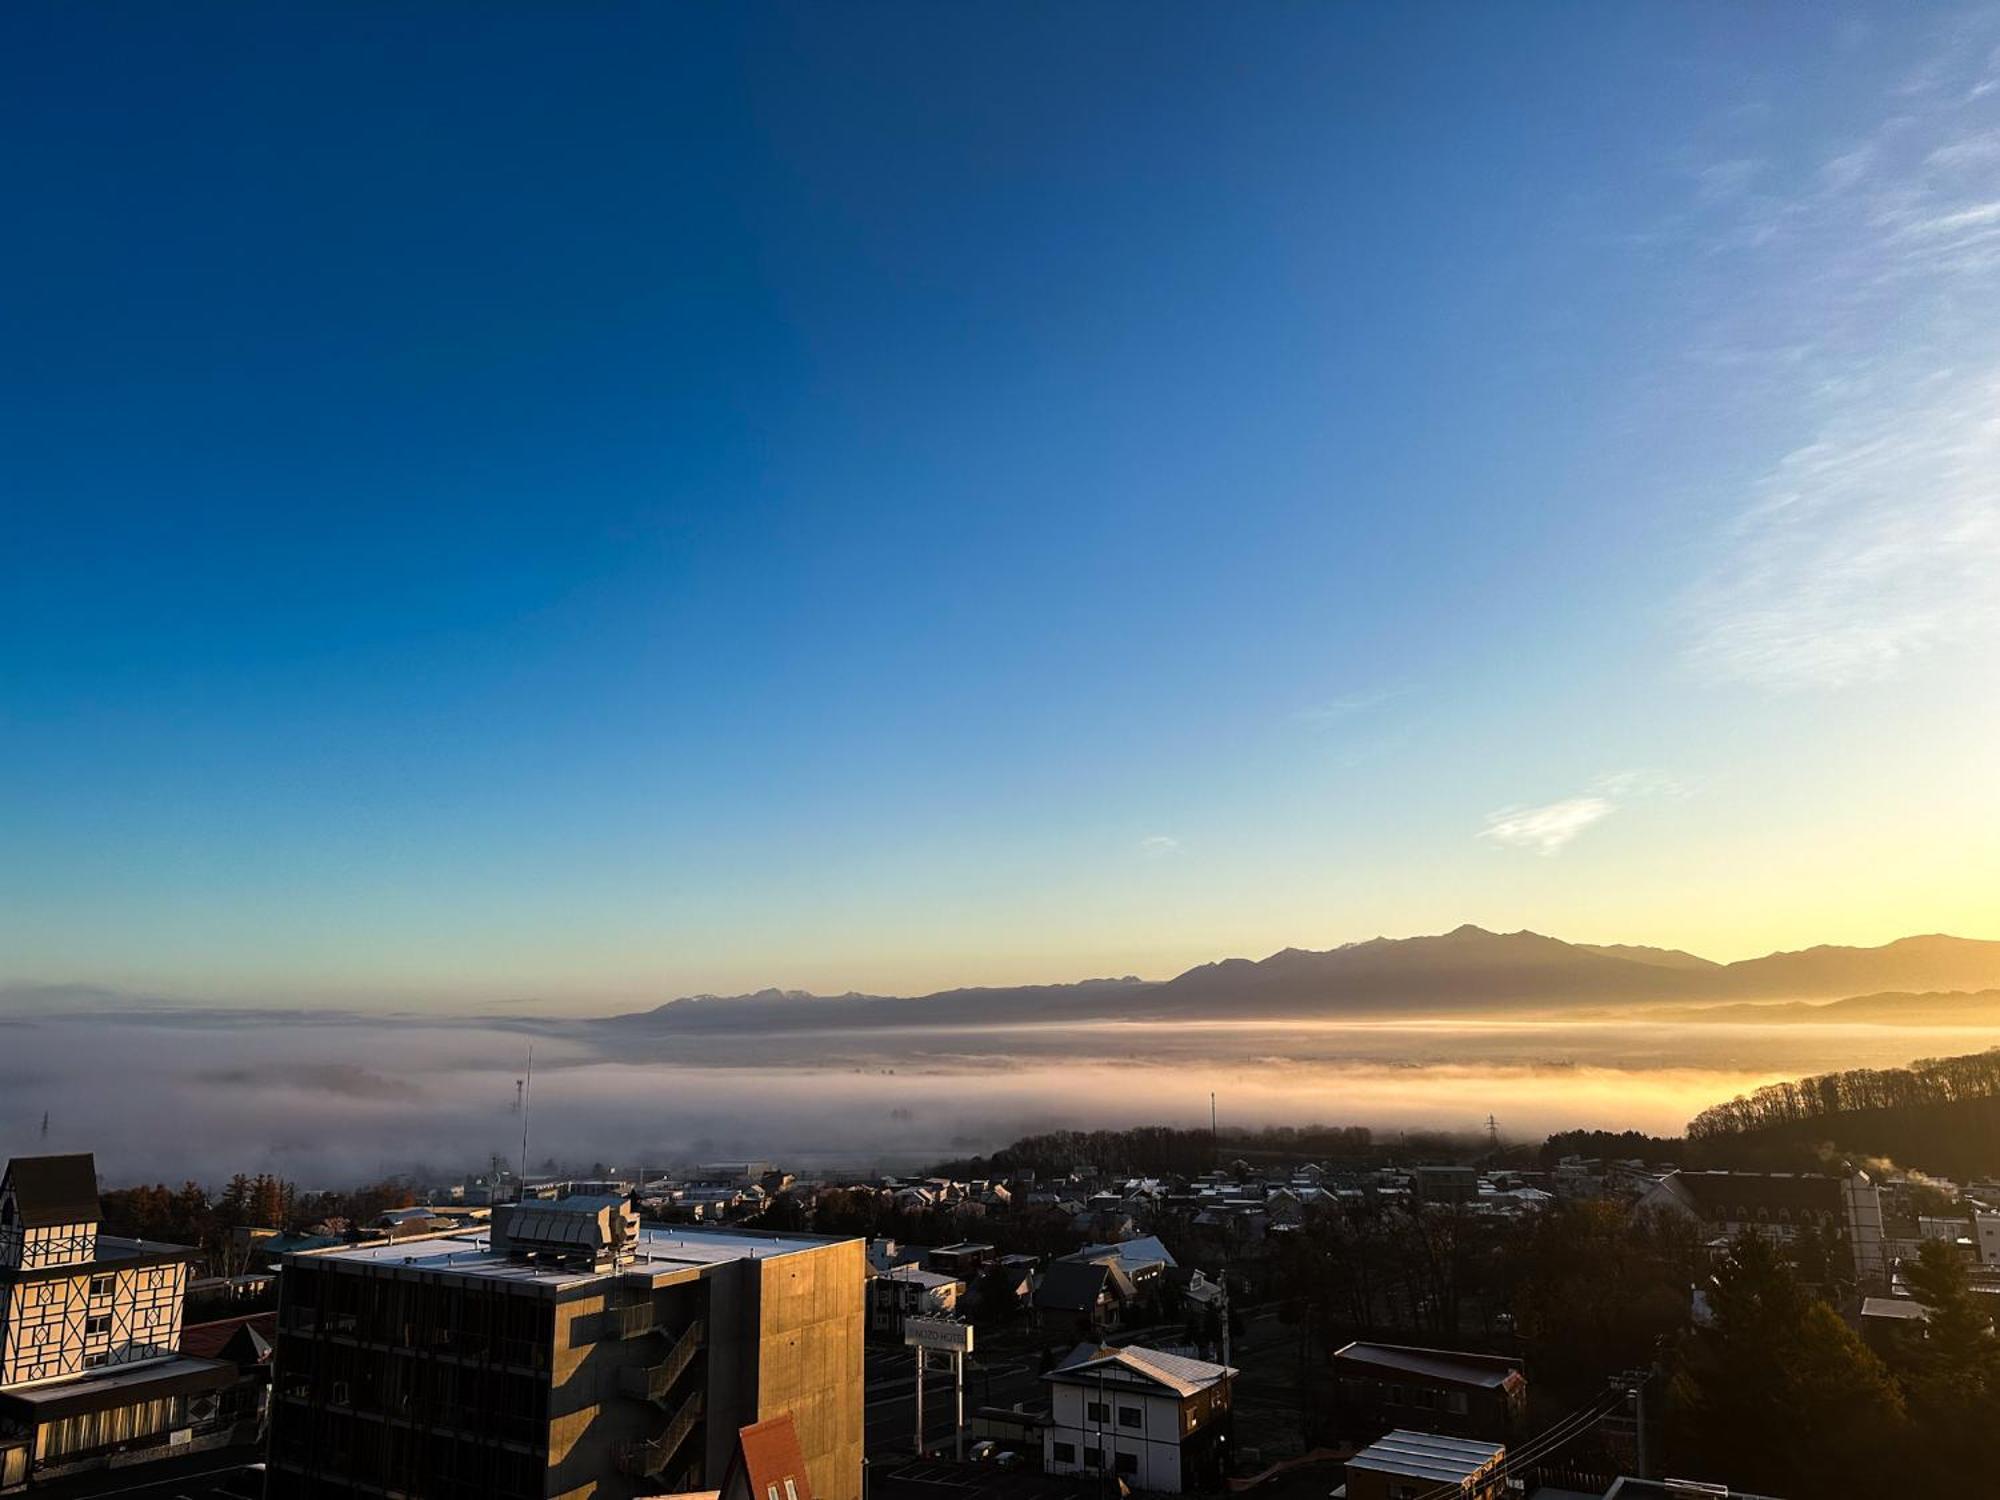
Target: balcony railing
654,1382
648,1460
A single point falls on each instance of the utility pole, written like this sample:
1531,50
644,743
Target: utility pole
1214,1144
958,1406
1635,1386
1225,1317
526,1086
920,1400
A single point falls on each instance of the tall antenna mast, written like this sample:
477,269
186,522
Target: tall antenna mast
527,1085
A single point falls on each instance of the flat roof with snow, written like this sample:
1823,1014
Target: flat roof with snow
660,1250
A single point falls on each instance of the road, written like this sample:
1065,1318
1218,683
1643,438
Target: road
1000,1378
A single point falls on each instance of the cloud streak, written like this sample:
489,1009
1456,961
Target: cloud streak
1874,543
1548,828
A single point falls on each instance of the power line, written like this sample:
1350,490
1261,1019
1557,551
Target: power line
1538,1448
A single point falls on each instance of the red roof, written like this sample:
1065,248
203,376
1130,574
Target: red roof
207,1340
770,1461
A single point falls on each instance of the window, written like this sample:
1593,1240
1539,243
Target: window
1131,1416
100,1286
1096,1411
92,1361
1126,1463
1093,1458
101,1323
1065,1453
1457,1403
791,1490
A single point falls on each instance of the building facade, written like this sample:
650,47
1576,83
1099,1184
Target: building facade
1779,1206
905,1292
90,1325
1157,1422
1393,1386
567,1351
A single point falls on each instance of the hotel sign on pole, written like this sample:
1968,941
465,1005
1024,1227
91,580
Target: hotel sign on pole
938,1333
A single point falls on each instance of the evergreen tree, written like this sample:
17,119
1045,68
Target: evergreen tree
1778,1394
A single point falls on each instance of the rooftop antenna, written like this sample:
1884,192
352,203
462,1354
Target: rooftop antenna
525,1086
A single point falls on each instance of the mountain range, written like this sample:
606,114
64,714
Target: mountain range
1463,972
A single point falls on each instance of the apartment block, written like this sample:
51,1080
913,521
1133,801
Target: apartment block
564,1351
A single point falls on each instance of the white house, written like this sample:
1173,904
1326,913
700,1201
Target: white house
1156,1421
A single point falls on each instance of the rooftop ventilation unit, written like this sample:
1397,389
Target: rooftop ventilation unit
568,1234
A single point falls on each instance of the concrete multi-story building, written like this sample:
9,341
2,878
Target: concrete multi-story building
90,1328
567,1351
1155,1421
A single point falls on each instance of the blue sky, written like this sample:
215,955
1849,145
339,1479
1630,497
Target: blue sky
594,504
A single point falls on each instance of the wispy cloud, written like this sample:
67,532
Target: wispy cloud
1877,540
1633,784
1159,846
1348,705
1546,829
1872,546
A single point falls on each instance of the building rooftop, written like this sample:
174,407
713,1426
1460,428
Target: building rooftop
917,1276
1894,1307
659,1249
1487,1370
1425,1455
119,1385
1177,1372
52,1190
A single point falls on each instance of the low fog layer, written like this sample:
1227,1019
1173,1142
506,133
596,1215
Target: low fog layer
330,1100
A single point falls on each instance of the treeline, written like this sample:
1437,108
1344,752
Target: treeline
193,1215
1151,1150
1934,1080
1941,1113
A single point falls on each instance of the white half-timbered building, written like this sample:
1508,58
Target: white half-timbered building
90,1329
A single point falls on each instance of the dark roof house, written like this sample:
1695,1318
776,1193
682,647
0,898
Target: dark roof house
54,1190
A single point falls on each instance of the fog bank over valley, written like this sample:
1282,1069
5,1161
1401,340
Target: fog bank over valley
329,1100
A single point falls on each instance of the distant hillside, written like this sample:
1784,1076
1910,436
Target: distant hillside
1940,1114
1913,963
1666,958
1893,1008
1466,971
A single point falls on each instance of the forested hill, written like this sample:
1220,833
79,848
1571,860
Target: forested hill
1942,1114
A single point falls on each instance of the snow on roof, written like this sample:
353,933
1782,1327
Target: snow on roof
1425,1455
1179,1373
1145,1250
